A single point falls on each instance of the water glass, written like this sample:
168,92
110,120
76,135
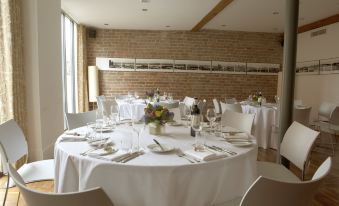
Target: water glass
126,143
200,138
218,127
90,130
99,124
187,113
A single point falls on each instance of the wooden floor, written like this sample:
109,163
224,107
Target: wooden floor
328,194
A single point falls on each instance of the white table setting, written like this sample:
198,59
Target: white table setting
135,167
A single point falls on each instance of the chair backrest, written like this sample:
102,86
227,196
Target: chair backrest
268,192
188,101
99,101
75,120
216,106
334,119
297,144
325,110
109,106
231,107
240,121
91,197
323,169
302,115
13,142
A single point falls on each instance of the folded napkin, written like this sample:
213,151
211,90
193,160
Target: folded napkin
73,138
102,154
205,155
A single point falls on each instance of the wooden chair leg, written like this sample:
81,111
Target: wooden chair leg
17,202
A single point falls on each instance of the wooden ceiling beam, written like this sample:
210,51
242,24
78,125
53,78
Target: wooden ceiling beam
320,23
215,11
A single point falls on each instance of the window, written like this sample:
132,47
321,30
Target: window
69,63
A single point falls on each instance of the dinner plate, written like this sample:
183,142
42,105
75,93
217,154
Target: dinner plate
155,148
241,144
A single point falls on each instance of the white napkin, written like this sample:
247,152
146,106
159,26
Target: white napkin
111,157
73,138
205,155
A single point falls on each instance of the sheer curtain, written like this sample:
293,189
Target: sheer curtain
12,87
82,70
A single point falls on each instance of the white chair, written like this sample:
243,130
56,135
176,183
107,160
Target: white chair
217,107
13,146
240,121
95,196
231,107
302,115
75,120
331,127
186,103
295,147
176,112
268,192
324,112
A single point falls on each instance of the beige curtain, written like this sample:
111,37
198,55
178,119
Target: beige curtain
12,87
82,70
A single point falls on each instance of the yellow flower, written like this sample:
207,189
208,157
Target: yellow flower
158,113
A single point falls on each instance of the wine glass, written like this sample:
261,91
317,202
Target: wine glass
211,116
197,127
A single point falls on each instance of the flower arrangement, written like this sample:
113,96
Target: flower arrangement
157,114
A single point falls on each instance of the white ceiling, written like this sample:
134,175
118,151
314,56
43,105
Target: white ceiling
240,15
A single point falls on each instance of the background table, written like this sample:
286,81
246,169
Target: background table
157,179
265,119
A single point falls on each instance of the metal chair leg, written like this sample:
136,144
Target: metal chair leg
17,202
6,192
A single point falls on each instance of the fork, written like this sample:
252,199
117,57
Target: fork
179,153
224,150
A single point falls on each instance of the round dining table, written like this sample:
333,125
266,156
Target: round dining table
264,122
156,179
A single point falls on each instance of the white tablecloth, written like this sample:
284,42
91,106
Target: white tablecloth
136,107
157,179
265,119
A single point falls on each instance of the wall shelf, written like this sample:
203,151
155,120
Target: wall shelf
190,66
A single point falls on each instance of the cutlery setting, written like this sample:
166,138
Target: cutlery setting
219,149
180,153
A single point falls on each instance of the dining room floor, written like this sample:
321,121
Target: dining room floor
328,194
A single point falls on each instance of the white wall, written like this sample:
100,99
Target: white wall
313,89
43,75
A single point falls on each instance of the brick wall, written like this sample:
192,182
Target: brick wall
204,45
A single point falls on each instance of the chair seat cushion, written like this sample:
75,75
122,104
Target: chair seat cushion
276,172
36,171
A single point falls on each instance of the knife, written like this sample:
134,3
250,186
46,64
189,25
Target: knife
159,144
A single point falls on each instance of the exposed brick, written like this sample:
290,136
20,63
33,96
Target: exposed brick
214,45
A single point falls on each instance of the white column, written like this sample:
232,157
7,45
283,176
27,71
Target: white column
43,75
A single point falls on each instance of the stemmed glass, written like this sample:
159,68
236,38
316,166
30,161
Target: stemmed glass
197,127
136,128
99,123
211,116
